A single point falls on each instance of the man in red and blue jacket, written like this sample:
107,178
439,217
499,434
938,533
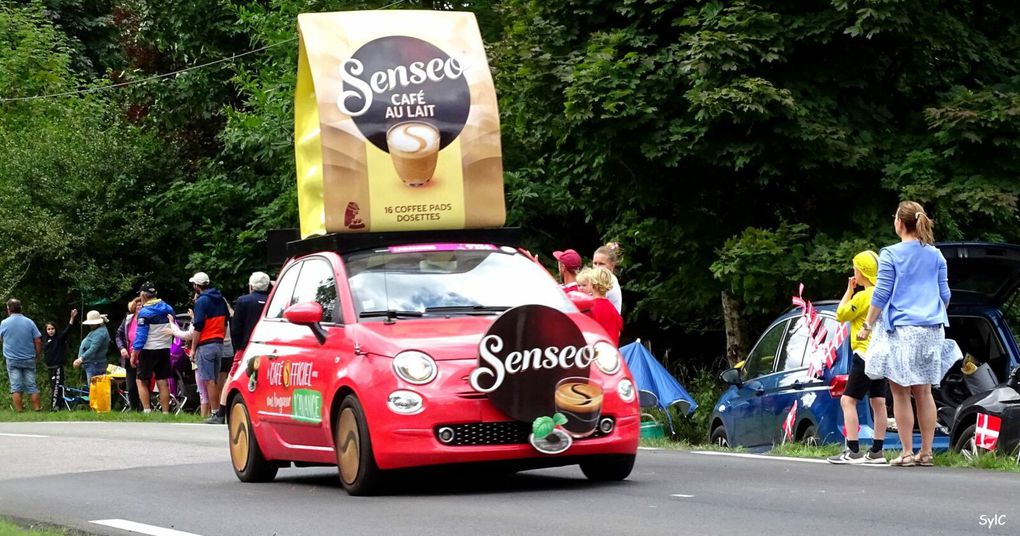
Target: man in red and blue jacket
210,324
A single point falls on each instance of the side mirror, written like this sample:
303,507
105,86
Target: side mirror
582,301
307,314
731,376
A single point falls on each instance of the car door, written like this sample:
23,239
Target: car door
746,406
790,382
269,345
304,368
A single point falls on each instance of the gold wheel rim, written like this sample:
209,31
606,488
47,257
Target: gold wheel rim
348,446
239,437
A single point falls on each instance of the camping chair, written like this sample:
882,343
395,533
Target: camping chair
75,397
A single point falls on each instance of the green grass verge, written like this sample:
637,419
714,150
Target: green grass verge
989,461
8,528
89,415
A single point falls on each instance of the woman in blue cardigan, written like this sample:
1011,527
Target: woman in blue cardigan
909,346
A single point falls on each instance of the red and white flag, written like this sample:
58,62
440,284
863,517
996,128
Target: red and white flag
788,423
987,433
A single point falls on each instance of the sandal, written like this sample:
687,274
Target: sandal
925,460
903,460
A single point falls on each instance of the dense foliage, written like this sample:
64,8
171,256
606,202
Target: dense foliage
733,148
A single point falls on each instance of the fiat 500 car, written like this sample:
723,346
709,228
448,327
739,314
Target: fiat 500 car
382,354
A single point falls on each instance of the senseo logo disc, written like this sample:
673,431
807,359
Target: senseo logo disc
405,93
526,357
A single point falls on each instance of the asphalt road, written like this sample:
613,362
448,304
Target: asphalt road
179,477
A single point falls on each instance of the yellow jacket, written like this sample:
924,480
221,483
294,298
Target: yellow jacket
855,311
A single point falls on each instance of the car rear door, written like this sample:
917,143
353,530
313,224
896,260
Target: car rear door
790,382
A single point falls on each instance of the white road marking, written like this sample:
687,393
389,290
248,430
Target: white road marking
757,456
21,435
142,528
782,458
682,496
648,448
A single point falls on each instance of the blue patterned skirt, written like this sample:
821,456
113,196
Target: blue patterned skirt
910,355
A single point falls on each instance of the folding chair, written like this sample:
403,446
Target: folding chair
75,397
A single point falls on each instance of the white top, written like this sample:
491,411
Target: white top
615,296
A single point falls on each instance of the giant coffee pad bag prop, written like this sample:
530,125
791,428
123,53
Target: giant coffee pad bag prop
395,123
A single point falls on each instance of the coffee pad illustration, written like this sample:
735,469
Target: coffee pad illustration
534,365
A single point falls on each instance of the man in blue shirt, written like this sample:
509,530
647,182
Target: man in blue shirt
22,343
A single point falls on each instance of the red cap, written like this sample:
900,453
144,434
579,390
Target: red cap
570,259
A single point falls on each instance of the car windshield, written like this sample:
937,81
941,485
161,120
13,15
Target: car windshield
427,280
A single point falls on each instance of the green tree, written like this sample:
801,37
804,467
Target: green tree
766,140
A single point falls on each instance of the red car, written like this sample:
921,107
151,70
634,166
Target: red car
382,352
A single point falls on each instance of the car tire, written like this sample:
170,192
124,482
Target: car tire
245,454
719,438
608,468
810,436
966,444
355,462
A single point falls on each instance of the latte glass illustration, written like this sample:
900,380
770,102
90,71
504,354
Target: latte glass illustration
414,149
580,401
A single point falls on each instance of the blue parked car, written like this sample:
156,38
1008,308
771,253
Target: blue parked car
983,277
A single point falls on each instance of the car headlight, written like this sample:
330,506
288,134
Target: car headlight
626,390
415,367
607,357
405,402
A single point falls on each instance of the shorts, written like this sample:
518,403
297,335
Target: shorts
207,357
22,377
237,362
859,384
154,362
226,357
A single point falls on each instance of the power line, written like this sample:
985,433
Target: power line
164,75
149,79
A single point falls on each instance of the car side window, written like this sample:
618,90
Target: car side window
764,353
799,349
283,293
317,283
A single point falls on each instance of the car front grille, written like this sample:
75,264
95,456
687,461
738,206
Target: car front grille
491,433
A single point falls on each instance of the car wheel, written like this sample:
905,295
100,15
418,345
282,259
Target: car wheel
354,459
810,437
718,437
967,444
609,468
245,455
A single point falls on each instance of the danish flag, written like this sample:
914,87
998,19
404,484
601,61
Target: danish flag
829,351
987,433
791,417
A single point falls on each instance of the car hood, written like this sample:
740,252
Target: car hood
982,273
443,338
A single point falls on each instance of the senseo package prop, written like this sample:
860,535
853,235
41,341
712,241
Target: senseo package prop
396,125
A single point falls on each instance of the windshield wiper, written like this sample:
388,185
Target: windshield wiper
469,309
390,314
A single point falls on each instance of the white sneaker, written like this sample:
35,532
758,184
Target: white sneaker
875,458
848,457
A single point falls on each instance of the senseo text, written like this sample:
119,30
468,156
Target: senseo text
520,361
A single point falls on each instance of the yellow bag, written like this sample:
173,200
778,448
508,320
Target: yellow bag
99,393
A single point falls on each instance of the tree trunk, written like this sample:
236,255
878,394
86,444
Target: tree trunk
737,342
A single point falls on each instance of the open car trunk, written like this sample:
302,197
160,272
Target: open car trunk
981,273
981,344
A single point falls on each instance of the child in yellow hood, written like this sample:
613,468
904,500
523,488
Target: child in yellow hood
853,308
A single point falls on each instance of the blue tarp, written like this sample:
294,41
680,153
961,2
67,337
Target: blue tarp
650,375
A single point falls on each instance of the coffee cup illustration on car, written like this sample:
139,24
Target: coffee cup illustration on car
580,401
414,150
